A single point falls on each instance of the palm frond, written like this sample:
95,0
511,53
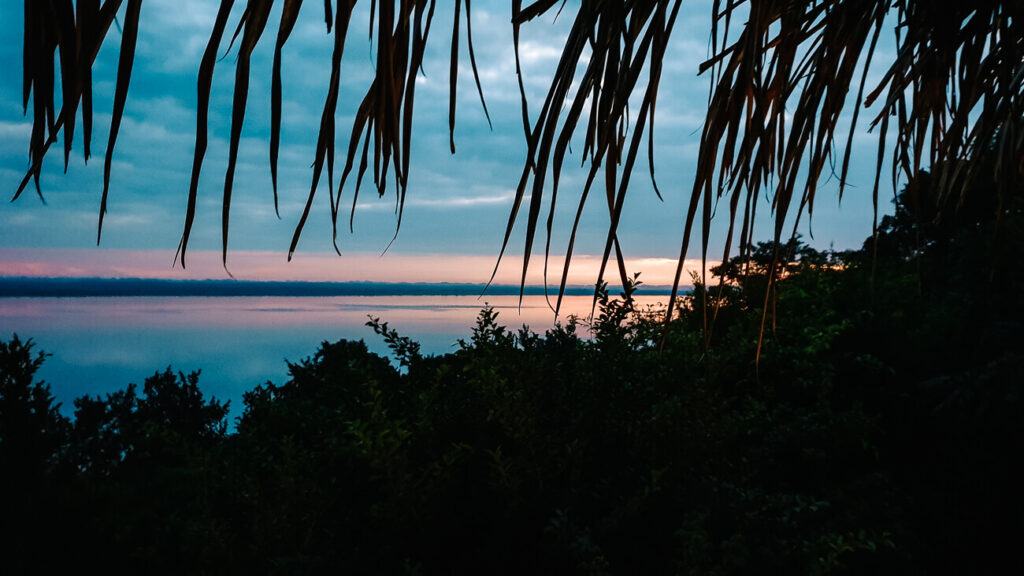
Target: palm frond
385,118
623,38
203,85
289,15
780,73
129,34
50,26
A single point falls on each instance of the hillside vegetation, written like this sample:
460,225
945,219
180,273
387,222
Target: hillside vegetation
879,430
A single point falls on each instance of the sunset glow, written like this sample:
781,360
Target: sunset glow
321,267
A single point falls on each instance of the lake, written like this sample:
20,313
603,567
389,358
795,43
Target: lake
100,344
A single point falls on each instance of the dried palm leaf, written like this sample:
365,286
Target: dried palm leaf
780,74
402,29
203,85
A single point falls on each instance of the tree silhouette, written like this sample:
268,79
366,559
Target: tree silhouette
780,72
31,427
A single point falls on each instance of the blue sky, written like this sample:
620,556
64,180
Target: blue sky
457,205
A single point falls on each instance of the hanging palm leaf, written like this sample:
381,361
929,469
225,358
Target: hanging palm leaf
780,71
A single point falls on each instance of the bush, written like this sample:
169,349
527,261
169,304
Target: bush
858,424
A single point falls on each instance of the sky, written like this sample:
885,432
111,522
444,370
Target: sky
457,205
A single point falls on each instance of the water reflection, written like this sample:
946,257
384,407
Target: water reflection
101,344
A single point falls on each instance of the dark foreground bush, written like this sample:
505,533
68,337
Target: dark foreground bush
880,431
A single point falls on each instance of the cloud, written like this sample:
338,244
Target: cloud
502,199
184,24
531,53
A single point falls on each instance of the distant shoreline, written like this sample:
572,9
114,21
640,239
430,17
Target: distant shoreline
32,287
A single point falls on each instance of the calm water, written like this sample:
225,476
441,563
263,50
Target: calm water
99,345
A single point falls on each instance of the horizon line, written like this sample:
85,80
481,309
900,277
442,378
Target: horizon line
64,286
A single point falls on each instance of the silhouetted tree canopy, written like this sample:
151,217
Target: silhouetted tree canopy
880,433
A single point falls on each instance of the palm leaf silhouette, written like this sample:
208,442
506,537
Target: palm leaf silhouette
780,72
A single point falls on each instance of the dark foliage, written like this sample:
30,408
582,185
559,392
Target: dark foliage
32,437
880,432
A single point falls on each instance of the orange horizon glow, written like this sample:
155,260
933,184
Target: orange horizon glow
324,267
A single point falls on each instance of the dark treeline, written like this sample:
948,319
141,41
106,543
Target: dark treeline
881,431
